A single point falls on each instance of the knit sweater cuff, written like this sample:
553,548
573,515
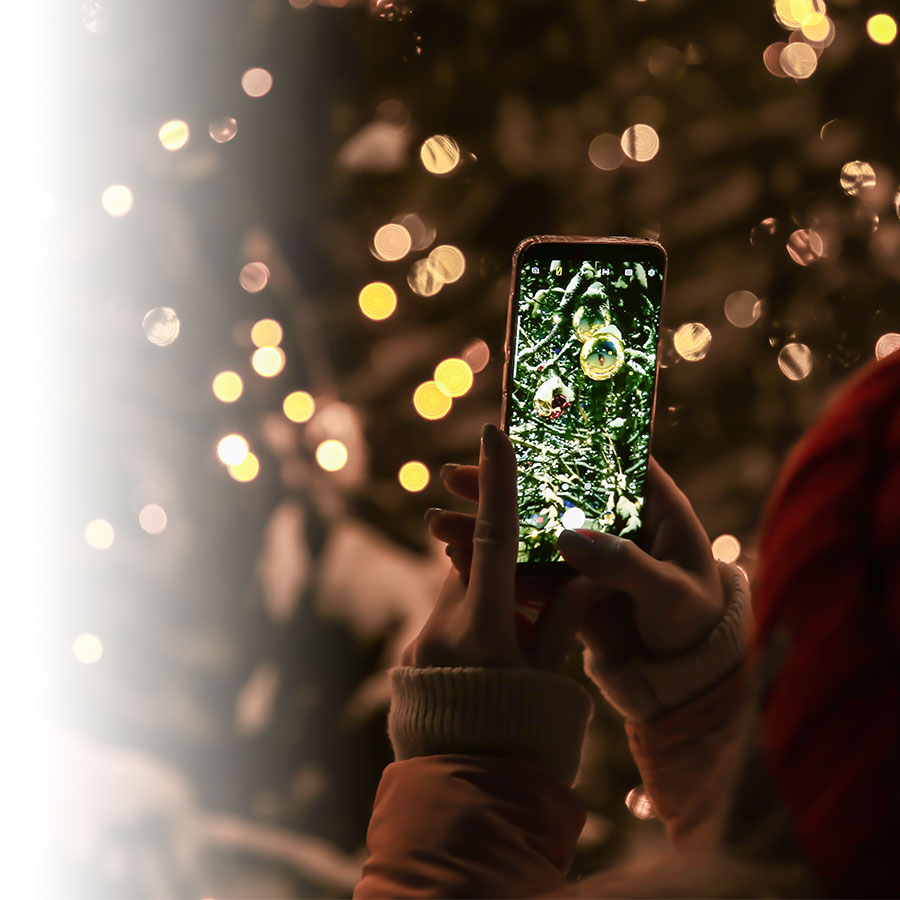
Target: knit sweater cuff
526,713
646,688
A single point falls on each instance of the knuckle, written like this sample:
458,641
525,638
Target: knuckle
487,532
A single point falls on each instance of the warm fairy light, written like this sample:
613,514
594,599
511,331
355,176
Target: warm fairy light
391,242
477,355
420,234
785,16
174,134
153,519
254,277
726,548
266,333
605,152
331,455
454,376
772,59
413,476
447,263
742,308
805,246
692,341
88,649
440,154
573,517
117,200
820,33
268,361
246,470
256,82
795,361
233,449
161,326
887,344
377,300
99,534
299,406
639,804
228,386
640,142
882,28
798,60
423,279
222,130
857,176
430,401
807,12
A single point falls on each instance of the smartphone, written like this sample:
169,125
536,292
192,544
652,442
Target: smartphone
580,385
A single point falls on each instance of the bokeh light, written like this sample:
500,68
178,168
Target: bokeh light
742,308
692,341
477,355
605,152
639,804
640,142
377,300
331,455
423,279
447,263
413,476
573,517
805,246
246,470
99,534
882,28
726,548
223,129
232,449
268,361
763,233
421,234
153,518
174,134
256,82
820,32
117,200
254,277
772,59
228,386
161,326
454,376
391,242
431,401
440,154
857,176
795,361
299,406
266,333
798,60
88,648
887,344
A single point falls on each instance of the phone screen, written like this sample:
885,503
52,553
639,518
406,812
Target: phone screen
580,386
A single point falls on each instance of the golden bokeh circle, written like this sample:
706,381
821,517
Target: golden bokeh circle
431,401
268,361
692,341
881,28
447,263
117,200
377,300
640,142
228,386
174,134
440,154
454,376
99,534
299,406
266,333
726,548
246,470
413,476
232,449
391,242
331,455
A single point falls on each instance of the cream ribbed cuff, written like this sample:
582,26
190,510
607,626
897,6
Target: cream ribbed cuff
526,713
645,688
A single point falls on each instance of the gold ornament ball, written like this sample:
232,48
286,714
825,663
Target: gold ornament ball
588,322
602,356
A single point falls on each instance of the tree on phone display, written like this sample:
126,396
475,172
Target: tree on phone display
581,400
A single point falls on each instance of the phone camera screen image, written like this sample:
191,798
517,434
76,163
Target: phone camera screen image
580,387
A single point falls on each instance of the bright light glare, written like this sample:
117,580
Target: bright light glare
228,386
454,376
882,28
246,470
174,134
299,406
331,455
117,200
413,476
233,449
99,534
266,333
88,649
726,548
268,361
153,518
377,300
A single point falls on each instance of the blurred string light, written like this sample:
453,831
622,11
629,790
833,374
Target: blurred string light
605,152
299,406
377,300
857,176
254,277
256,82
232,449
421,235
431,401
726,548
640,142
639,804
88,648
454,376
268,361
246,470
152,518
795,361
772,58
447,263
422,279
692,341
763,232
266,333
794,14
887,344
161,326
391,242
174,134
798,60
882,28
228,386
99,534
820,33
439,154
223,129
331,455
413,476
742,308
477,355
805,246
117,200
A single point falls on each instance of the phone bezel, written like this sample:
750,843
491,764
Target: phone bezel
568,241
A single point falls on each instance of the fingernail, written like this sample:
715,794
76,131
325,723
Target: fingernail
430,513
447,468
574,542
490,440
